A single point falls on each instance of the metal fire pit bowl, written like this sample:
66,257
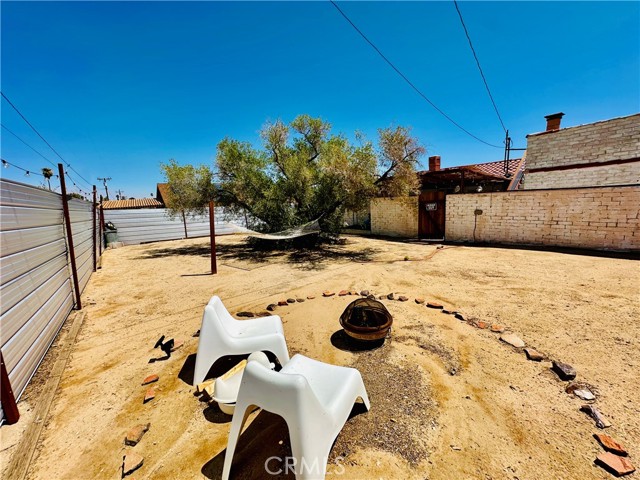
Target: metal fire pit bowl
366,320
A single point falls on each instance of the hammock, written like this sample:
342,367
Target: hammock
311,228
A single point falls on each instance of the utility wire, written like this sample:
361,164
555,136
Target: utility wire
28,145
404,77
466,32
75,184
43,139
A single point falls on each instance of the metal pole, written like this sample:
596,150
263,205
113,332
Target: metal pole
212,235
67,222
94,210
506,153
8,400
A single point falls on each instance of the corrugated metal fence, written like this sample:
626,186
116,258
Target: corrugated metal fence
154,224
36,293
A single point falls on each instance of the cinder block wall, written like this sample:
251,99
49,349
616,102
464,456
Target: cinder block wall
578,147
395,217
605,218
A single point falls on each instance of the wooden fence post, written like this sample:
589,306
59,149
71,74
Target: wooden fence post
212,235
101,226
8,400
94,211
67,222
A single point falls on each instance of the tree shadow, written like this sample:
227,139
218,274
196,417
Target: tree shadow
307,256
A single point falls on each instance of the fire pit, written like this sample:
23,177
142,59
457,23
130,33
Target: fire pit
366,320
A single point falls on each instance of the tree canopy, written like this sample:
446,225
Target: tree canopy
304,172
190,189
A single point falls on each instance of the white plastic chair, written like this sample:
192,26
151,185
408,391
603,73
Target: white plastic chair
226,388
221,335
315,400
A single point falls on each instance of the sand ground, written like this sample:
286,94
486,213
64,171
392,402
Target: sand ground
449,400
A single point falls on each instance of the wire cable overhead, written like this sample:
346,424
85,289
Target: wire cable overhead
409,82
3,126
42,138
473,50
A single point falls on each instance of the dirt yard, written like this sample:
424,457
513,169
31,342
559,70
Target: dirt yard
449,400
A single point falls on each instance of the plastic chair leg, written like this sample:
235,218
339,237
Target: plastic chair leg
310,455
240,415
280,351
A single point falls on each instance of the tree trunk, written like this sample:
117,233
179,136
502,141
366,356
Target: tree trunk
184,221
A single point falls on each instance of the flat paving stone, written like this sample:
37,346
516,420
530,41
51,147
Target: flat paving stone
533,355
615,464
150,379
512,339
149,395
610,445
135,434
132,461
435,305
598,417
328,293
564,370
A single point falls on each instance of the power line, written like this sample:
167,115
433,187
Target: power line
75,184
495,107
28,145
404,77
41,137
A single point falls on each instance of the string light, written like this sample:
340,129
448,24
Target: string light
27,172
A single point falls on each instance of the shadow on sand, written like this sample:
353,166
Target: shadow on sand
305,256
264,444
342,341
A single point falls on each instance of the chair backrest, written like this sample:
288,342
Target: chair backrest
277,392
224,318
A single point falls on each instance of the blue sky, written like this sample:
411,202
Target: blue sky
118,87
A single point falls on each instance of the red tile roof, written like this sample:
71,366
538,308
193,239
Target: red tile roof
132,203
489,169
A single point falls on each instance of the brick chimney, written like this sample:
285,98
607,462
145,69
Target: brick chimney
553,121
434,163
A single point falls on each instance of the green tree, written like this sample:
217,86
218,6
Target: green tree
190,189
47,173
304,172
399,156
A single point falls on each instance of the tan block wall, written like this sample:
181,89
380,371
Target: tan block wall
615,139
395,217
604,218
623,174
